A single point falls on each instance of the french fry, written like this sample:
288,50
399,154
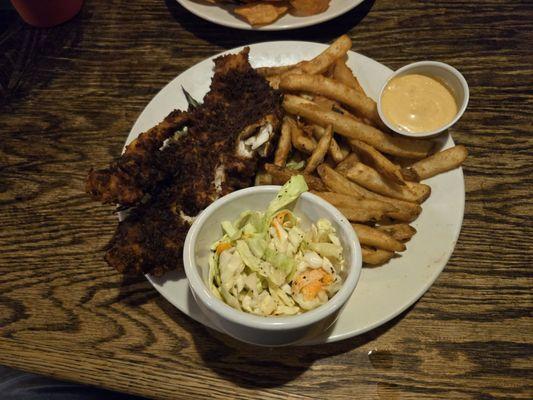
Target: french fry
352,129
324,102
362,215
406,211
282,175
343,74
340,110
320,151
336,152
347,201
375,238
347,163
362,105
273,81
271,71
284,144
359,209
300,141
329,71
374,158
375,257
370,179
321,63
400,232
420,190
437,163
331,105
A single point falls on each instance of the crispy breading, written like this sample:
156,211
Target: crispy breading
136,172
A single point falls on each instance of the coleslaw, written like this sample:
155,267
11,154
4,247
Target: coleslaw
266,263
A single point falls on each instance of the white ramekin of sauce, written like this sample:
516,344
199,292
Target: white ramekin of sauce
423,99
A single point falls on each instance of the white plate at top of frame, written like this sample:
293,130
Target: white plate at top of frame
382,293
221,15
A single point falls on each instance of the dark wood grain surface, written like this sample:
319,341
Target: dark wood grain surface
68,97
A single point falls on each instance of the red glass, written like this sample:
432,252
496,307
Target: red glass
47,13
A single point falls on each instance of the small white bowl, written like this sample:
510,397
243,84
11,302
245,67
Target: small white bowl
446,74
266,331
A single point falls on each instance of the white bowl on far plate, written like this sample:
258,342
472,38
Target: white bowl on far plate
444,73
266,331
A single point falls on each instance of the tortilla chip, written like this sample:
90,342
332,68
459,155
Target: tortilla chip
261,13
304,8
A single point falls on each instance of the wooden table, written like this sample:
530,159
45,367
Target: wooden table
69,96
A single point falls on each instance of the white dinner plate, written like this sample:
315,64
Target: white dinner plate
382,293
220,14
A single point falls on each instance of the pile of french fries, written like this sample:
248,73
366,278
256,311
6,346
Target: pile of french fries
332,135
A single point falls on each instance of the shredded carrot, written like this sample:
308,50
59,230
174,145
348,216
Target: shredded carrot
280,216
327,279
311,290
311,282
278,228
223,246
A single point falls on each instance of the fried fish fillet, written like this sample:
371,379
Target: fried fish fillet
137,171
225,137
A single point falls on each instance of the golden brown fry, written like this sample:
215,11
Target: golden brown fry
375,257
261,13
362,215
321,63
396,145
358,209
406,211
370,179
372,237
339,109
400,232
437,163
336,151
271,71
420,190
273,81
282,175
331,105
348,201
284,144
323,102
320,151
347,163
362,105
304,143
300,141
343,74
374,158
329,71
303,8
368,210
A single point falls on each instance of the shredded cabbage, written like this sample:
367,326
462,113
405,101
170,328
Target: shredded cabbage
297,165
266,263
